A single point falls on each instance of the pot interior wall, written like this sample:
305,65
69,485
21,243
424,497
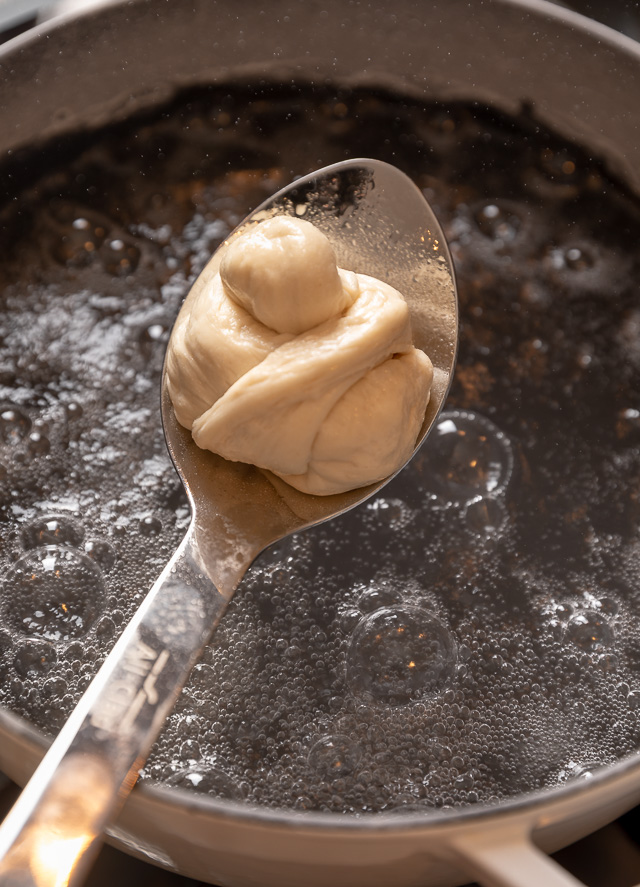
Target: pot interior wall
576,78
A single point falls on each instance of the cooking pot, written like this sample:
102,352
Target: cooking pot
82,70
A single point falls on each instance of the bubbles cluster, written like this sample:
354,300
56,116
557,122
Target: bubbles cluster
53,593
468,458
397,654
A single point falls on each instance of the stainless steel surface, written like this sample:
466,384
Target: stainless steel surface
237,510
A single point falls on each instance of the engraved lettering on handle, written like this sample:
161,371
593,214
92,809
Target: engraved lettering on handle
123,702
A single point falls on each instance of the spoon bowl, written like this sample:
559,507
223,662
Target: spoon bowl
378,223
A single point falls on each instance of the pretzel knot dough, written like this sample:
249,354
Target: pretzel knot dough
288,362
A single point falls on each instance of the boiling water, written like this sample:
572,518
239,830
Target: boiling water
470,633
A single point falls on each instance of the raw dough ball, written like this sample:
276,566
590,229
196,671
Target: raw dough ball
285,361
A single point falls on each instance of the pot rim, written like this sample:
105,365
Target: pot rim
544,7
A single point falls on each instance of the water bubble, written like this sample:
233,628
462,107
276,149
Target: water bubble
75,652
101,552
608,606
121,526
466,458
55,687
38,444
589,631
52,530
155,332
398,654
53,593
578,259
394,512
584,771
190,750
466,781
73,410
485,517
582,267
208,780
349,619
119,258
628,424
14,424
334,756
105,628
35,658
78,242
375,598
608,662
410,806
572,258
152,339
498,222
150,526
5,642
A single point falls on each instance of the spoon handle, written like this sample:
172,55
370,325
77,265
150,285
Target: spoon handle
51,834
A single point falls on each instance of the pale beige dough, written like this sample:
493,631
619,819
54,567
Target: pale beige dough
296,366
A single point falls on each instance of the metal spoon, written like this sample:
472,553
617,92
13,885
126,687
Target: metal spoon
379,224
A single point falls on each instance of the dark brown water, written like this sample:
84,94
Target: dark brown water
470,633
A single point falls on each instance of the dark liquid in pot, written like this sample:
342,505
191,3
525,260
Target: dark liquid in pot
468,634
